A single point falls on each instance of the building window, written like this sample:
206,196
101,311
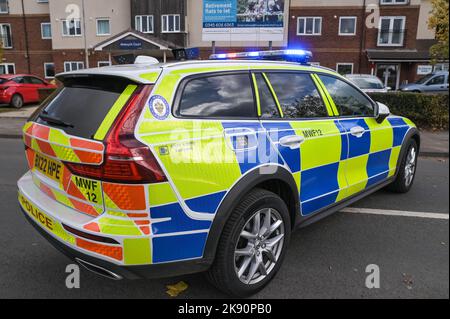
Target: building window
101,64
440,67
4,8
49,70
73,66
347,25
5,36
7,68
71,28
46,30
309,26
391,31
170,23
391,2
344,68
103,27
144,24
42,1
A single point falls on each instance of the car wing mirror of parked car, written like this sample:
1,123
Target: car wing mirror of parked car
388,88
383,112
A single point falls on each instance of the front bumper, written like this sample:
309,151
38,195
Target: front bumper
40,210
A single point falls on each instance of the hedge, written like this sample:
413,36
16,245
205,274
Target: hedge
427,111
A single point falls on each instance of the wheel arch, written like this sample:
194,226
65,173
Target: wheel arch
281,183
19,94
414,134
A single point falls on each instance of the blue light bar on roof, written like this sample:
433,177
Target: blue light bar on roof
295,55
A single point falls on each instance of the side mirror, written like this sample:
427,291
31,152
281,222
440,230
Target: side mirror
383,112
388,88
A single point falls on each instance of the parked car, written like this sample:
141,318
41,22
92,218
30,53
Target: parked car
368,83
432,83
20,89
145,171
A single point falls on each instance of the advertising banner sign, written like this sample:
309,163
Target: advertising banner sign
243,20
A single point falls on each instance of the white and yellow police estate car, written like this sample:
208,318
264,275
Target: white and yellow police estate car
151,170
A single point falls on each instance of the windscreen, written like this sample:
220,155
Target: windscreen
368,83
82,103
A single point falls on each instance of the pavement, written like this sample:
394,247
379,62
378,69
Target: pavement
434,143
325,260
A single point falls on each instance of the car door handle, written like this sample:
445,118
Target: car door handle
293,141
357,131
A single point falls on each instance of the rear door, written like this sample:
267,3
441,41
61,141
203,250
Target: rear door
68,131
302,126
35,85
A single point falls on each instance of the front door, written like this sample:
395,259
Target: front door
371,157
389,74
437,84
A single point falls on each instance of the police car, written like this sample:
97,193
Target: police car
152,170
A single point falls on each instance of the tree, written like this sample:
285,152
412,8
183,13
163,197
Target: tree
438,21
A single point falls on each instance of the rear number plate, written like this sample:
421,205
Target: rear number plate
49,167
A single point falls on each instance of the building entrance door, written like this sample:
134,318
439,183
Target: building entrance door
389,74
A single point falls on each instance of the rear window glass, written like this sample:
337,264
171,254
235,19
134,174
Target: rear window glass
3,81
83,103
227,95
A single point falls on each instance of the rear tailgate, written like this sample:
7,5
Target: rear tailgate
69,128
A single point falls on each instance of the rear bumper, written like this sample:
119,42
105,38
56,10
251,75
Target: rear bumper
5,99
127,272
51,219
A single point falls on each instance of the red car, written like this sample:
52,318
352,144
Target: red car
19,89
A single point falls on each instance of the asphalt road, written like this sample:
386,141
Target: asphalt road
325,260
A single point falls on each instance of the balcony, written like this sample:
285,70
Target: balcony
391,38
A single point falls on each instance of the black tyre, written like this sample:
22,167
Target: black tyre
407,170
253,244
16,101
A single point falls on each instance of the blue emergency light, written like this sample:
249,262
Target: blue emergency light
293,55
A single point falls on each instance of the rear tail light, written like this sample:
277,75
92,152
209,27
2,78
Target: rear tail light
126,159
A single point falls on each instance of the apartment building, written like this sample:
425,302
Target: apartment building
389,38
45,37
155,28
26,39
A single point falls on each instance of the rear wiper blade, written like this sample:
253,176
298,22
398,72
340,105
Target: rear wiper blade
54,120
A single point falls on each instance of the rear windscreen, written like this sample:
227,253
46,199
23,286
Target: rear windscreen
83,103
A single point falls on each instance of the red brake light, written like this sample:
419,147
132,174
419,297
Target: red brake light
126,159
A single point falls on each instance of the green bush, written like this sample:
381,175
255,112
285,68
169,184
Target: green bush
427,111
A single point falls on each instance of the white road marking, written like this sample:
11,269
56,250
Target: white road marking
400,213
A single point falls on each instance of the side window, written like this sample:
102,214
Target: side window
33,80
227,95
349,101
297,95
19,80
437,80
268,105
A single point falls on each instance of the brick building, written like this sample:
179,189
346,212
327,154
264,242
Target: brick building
45,37
346,35
343,36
